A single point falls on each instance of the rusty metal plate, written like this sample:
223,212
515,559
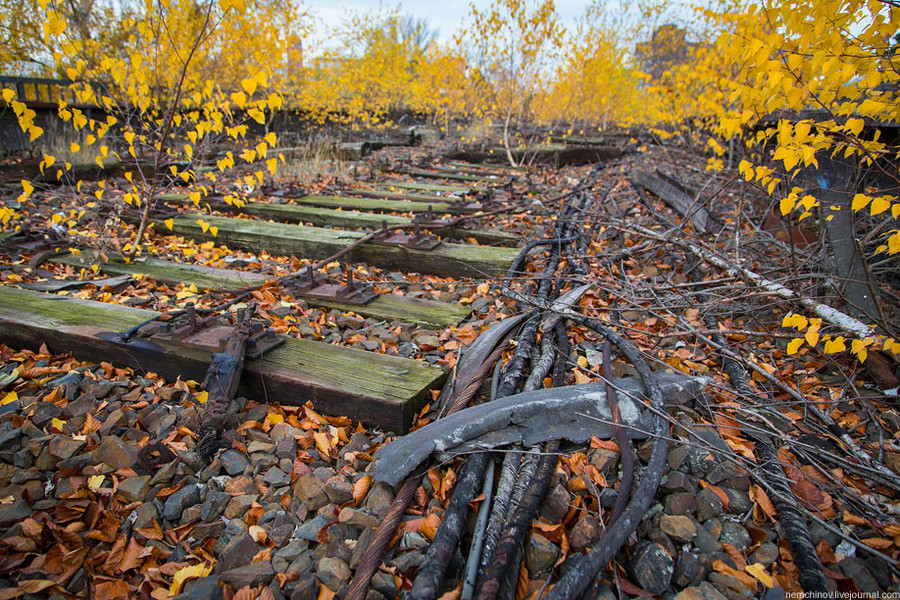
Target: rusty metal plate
357,295
212,338
405,240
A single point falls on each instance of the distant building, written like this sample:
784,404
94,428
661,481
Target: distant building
668,47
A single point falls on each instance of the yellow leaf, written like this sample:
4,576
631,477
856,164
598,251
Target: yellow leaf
74,148
169,223
8,95
195,199
274,418
249,86
759,572
95,481
855,126
836,345
879,205
860,201
34,133
583,362
812,336
9,398
185,573
794,345
787,205
214,231
582,378
27,188
271,138
202,397
57,424
257,533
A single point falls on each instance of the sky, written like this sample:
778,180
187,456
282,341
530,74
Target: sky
443,15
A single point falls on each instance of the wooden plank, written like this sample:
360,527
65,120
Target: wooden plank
387,307
485,167
348,219
428,187
382,206
405,196
447,260
375,388
451,176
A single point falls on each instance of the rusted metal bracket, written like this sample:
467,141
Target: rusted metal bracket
352,292
416,240
212,333
428,219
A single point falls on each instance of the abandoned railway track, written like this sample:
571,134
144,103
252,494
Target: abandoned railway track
388,302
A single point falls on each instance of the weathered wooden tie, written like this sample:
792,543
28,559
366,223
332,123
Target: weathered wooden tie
451,176
377,389
347,219
447,260
383,307
406,196
429,187
382,205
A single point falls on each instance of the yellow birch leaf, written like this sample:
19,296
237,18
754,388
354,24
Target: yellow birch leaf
169,223
214,230
274,418
860,201
9,398
759,572
794,345
95,481
57,424
879,205
183,574
836,345
202,397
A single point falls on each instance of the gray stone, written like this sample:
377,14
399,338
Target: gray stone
275,477
556,504
333,572
144,515
239,551
14,512
339,491
250,575
704,591
379,499
134,489
736,535
44,412
201,589
310,490
260,446
856,569
651,567
708,505
605,461
766,554
63,446
189,495
115,453
239,505
234,462
540,554
680,503
357,518
310,529
706,542
739,503
585,533
214,505
9,439
688,570
286,448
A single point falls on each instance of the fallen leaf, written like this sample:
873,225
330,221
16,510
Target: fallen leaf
185,573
